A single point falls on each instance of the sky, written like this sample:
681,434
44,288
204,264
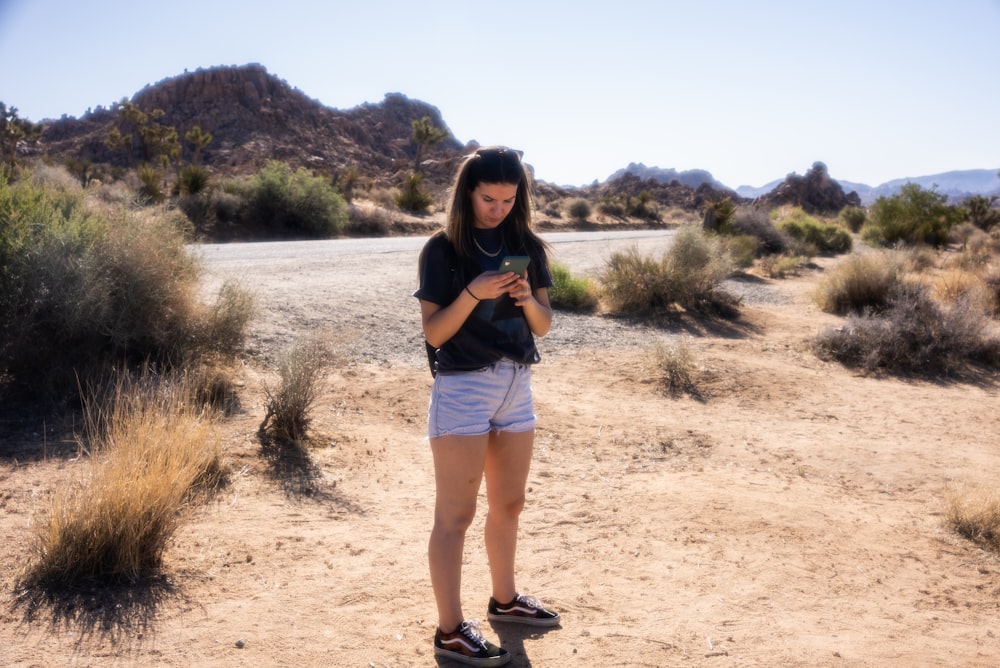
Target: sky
749,91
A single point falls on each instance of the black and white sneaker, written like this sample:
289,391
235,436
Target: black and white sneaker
522,610
467,645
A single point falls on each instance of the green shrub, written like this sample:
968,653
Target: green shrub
83,291
754,222
279,202
823,237
193,180
981,211
571,293
914,334
412,196
859,284
578,209
913,216
689,275
853,217
152,183
743,248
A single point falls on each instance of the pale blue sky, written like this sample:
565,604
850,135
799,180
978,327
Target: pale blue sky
750,91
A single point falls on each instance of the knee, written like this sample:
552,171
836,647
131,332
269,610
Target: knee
509,508
454,523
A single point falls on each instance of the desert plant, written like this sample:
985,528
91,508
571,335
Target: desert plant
859,284
981,211
853,217
149,455
301,371
192,180
425,135
824,237
152,183
974,513
368,219
912,216
571,293
83,289
412,196
689,275
280,202
754,222
676,365
914,334
578,209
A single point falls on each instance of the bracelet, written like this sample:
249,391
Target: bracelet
473,296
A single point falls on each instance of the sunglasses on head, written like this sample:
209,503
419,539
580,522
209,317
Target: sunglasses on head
499,152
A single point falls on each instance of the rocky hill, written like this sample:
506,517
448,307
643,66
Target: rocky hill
254,116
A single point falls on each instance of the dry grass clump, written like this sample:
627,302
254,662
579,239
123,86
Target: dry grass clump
677,366
860,283
975,514
301,369
689,275
149,453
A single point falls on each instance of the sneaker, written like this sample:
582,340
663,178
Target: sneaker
522,610
467,645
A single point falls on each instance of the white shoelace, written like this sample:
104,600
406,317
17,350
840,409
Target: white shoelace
470,629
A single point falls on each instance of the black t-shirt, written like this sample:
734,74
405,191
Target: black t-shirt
496,328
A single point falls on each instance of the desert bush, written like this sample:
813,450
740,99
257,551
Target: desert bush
367,219
611,207
975,514
301,371
571,293
913,216
991,282
83,289
781,266
981,212
914,334
824,237
412,196
853,217
742,248
578,209
676,366
279,202
690,275
953,285
192,180
754,222
859,284
149,455
152,183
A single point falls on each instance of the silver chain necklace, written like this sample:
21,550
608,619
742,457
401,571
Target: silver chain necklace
486,252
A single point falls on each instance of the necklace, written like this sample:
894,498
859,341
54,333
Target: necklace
484,251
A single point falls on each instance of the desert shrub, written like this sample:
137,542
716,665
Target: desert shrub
412,196
368,220
954,285
912,216
611,207
742,248
780,266
690,275
824,237
301,371
981,212
571,293
975,514
192,180
754,222
914,334
859,284
853,217
991,283
578,209
152,183
149,456
82,290
676,366
279,202
718,215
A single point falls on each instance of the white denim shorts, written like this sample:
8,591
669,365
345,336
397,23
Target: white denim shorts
494,398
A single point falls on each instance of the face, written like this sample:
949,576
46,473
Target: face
491,202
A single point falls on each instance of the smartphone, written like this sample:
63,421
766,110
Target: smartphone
515,263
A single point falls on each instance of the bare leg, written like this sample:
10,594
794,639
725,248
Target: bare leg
458,472
508,460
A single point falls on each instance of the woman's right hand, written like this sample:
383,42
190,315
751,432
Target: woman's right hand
492,284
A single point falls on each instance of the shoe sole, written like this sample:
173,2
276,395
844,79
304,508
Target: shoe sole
527,621
471,660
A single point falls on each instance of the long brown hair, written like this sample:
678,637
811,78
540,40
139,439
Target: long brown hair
493,164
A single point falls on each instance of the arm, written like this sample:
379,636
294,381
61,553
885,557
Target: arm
537,310
440,323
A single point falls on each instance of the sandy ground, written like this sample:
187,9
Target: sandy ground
787,513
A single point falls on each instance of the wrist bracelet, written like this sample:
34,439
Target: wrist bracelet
470,293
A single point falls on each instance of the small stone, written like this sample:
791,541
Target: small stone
241,643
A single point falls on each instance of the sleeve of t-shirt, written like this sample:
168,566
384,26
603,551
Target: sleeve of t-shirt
434,273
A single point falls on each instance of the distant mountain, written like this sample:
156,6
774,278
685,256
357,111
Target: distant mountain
957,185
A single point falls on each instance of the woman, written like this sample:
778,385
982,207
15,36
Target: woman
481,323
